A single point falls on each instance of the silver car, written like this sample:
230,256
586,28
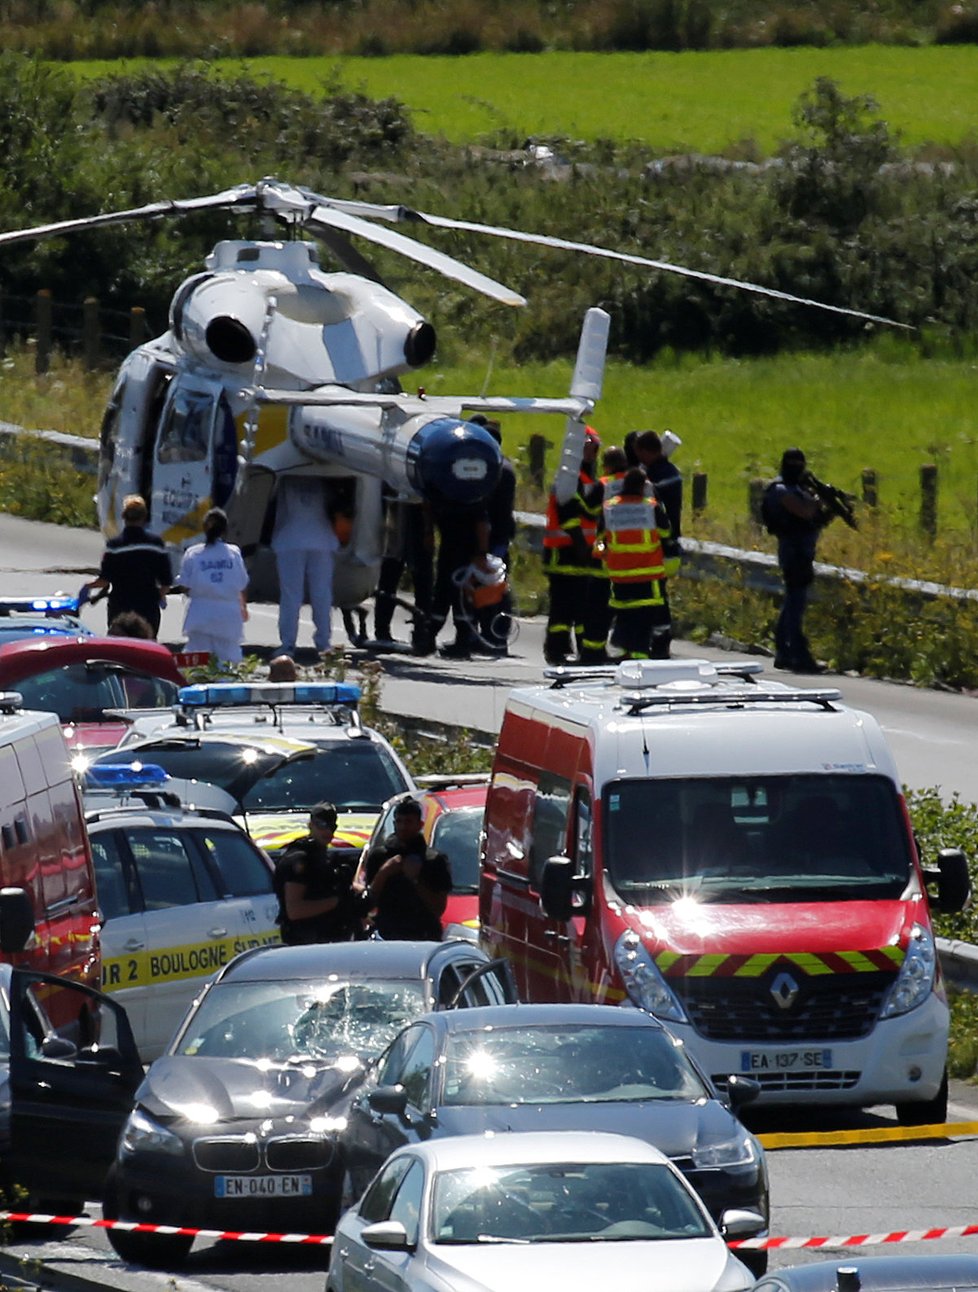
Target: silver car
520,1211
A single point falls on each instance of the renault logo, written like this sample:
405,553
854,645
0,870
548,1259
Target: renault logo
784,989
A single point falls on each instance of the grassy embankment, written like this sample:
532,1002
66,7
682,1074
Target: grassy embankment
735,102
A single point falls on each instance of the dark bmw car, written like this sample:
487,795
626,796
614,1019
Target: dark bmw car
235,1126
858,1273
558,1067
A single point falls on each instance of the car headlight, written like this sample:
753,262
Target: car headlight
915,981
646,987
141,1134
737,1151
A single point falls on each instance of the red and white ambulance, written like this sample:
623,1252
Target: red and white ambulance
49,914
734,855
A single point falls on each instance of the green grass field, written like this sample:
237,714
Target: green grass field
703,102
883,408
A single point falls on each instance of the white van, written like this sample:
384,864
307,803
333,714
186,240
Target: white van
733,855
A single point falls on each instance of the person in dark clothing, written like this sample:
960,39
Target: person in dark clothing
407,882
463,540
409,544
667,480
315,886
135,567
495,623
794,514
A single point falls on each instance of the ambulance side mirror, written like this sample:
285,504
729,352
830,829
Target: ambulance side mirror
952,878
557,888
16,919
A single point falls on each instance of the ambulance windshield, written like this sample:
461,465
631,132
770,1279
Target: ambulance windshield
767,838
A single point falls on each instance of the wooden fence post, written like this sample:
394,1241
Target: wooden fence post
870,493
755,492
90,333
137,326
538,460
928,499
43,329
700,484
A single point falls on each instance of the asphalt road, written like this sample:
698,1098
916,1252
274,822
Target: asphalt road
822,1191
815,1191
932,733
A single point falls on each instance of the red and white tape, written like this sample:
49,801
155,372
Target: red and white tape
855,1240
138,1227
775,1243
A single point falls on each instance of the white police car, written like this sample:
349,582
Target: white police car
208,732
182,890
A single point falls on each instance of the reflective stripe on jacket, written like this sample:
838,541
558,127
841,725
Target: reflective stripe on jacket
632,546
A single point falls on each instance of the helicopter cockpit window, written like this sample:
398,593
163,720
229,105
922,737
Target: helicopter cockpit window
185,435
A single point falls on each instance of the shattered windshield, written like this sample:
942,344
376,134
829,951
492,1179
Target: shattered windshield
324,1021
758,838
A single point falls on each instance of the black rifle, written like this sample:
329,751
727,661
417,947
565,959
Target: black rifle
834,501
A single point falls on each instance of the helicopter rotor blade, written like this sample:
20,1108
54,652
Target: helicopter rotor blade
589,248
244,195
331,217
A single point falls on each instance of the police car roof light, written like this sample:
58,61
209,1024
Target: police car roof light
11,700
125,775
58,605
230,694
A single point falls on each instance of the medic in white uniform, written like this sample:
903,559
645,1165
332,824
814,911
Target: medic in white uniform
214,576
304,544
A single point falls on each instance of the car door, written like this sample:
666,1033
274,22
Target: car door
74,1069
353,1263
187,929
373,1135
465,981
124,938
391,1270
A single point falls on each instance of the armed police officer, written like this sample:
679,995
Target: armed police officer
407,881
794,513
315,886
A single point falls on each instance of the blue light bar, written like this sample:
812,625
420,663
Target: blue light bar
109,775
59,605
213,695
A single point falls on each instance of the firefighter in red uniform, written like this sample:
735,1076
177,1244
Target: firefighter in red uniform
597,612
568,541
639,552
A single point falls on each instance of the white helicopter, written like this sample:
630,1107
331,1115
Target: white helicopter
271,366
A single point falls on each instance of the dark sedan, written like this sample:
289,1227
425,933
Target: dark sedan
558,1067
235,1126
856,1273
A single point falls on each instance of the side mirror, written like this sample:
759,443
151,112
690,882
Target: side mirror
557,888
386,1236
742,1224
953,880
58,1047
388,1099
16,919
741,1090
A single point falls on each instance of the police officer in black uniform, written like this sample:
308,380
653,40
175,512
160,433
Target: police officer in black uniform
315,886
135,567
407,882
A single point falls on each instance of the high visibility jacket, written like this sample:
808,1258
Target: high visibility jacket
631,542
570,532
